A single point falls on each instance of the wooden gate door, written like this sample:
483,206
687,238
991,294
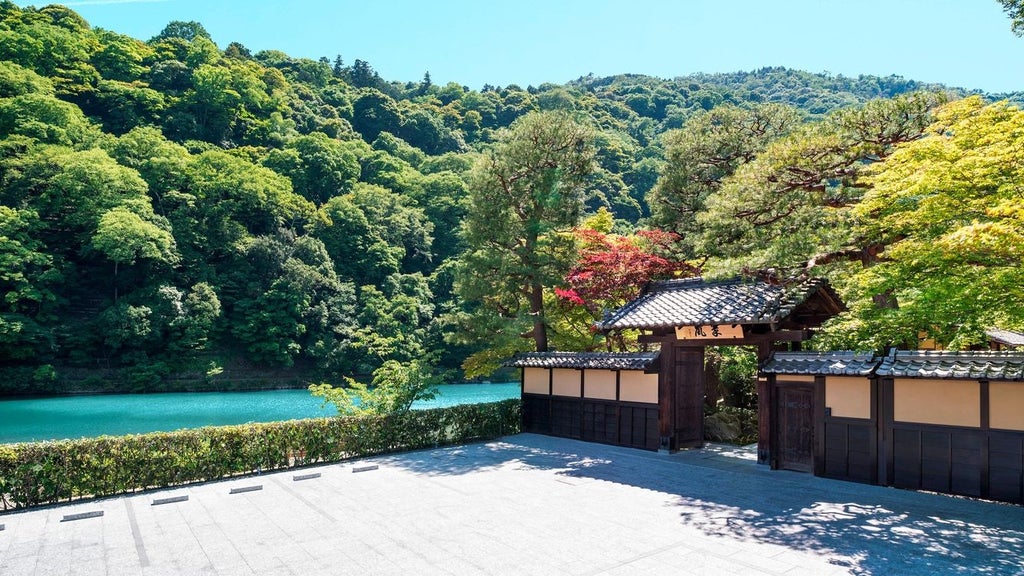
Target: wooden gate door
689,396
795,428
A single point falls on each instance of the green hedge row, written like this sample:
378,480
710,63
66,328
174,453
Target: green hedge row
48,472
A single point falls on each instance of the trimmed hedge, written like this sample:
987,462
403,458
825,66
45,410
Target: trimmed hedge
37,473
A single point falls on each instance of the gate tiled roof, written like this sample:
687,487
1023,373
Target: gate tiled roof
694,302
972,365
592,360
821,363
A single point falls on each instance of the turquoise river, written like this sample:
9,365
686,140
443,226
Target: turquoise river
24,420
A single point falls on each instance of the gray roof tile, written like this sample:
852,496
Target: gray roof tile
694,302
1007,337
821,363
593,360
976,365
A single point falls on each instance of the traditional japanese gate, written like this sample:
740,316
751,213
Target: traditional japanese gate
679,318
683,317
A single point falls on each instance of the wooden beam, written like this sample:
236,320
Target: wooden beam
788,335
753,339
652,339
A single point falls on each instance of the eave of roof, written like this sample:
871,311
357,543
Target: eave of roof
584,360
1006,337
968,365
842,363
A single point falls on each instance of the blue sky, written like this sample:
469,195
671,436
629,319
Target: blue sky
965,43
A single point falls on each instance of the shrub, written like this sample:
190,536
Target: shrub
746,418
394,388
38,473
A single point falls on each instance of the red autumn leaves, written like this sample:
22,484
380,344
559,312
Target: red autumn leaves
611,269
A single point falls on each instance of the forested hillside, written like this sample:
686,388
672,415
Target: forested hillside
173,208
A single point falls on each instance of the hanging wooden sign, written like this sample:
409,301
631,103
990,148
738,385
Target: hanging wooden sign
710,332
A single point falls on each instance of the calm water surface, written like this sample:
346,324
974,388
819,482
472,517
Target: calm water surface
83,416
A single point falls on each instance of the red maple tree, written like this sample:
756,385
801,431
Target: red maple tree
612,269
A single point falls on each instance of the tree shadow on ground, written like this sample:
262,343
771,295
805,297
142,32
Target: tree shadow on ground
868,530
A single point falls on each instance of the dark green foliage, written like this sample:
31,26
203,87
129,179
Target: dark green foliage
526,194
187,31
319,167
375,112
288,300
17,80
168,204
33,474
393,390
746,420
1015,10
45,119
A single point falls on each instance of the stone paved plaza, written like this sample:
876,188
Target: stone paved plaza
525,504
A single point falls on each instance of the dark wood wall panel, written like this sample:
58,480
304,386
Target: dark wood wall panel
605,421
977,462
942,459
599,422
536,414
906,456
863,455
794,426
626,426
850,450
836,450
935,461
1006,467
650,433
566,417
638,426
966,471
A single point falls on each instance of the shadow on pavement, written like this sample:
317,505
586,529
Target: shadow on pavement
868,530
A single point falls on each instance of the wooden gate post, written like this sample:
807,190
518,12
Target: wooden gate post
764,406
666,399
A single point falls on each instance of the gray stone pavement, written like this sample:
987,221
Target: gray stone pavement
524,504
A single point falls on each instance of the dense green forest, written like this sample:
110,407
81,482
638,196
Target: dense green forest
172,209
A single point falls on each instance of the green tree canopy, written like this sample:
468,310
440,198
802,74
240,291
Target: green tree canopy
46,119
393,389
1015,10
950,208
187,31
27,280
131,231
70,190
320,167
524,195
16,80
789,208
236,192
706,151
